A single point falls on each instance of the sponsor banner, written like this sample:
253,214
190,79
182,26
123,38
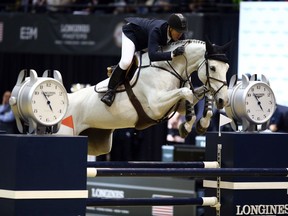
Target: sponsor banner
127,187
68,34
251,195
49,34
262,209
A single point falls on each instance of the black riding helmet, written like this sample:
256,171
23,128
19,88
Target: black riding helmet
178,22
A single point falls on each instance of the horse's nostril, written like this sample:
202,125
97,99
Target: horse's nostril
220,101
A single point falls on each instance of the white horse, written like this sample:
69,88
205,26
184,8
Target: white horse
161,88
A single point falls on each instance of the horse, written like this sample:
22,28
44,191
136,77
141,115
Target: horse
161,89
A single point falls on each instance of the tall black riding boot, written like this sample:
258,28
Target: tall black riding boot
115,80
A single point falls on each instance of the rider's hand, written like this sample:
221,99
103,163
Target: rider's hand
178,51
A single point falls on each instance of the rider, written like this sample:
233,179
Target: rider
142,33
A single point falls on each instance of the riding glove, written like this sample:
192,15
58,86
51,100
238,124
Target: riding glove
178,51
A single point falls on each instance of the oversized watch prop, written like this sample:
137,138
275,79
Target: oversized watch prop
251,103
39,103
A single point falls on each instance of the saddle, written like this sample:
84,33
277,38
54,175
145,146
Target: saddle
132,75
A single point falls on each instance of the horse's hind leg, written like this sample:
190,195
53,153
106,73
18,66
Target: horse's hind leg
99,141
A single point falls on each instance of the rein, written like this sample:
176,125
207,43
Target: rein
173,72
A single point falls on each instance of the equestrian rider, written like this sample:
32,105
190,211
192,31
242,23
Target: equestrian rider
142,33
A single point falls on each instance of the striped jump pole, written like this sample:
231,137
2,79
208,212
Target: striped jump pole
204,201
187,172
156,164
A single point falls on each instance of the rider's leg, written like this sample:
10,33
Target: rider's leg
114,82
127,53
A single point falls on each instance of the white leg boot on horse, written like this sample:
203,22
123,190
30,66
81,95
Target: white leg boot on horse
203,123
186,127
115,80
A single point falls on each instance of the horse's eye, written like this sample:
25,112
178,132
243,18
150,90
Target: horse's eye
213,68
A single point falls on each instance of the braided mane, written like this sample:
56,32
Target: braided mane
178,43
194,41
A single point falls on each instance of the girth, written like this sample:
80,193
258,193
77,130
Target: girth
144,121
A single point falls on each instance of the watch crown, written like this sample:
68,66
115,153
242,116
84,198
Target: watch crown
12,101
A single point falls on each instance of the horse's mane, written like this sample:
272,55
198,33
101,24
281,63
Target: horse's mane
181,42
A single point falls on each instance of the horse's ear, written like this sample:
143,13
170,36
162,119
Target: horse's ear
209,45
216,52
226,46
212,48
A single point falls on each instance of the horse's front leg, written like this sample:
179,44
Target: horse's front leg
170,98
165,100
186,127
203,124
185,93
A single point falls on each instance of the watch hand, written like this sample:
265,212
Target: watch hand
258,102
48,102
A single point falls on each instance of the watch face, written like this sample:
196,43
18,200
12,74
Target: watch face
49,102
260,102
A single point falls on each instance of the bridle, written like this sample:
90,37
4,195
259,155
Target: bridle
209,78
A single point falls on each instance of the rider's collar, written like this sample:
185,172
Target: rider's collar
169,39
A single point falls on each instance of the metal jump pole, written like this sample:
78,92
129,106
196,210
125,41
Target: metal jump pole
187,172
204,201
156,164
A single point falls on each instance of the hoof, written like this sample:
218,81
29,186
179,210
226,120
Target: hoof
182,131
199,129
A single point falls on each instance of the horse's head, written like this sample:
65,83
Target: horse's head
212,72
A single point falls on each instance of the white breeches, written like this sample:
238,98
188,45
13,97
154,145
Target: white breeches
127,52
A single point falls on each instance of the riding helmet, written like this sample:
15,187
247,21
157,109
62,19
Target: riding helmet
178,22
